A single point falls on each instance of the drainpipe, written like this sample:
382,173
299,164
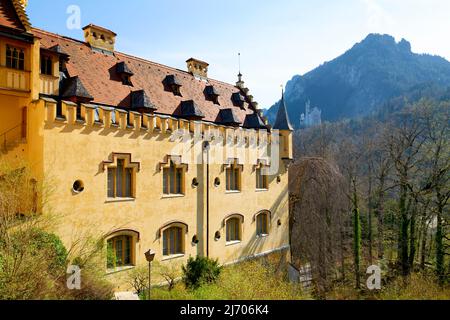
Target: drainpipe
206,148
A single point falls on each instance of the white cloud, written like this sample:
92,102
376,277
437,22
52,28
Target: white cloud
377,16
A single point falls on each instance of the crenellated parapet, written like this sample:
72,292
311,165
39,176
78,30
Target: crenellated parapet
174,130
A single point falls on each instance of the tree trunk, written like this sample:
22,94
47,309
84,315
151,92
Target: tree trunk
412,241
369,233
423,243
404,224
380,213
356,237
440,267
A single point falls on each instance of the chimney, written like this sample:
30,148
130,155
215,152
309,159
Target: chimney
99,38
198,68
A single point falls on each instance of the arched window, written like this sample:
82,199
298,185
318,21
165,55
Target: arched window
262,224
121,250
234,229
173,241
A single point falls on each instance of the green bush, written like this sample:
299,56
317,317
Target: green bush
200,271
249,280
52,244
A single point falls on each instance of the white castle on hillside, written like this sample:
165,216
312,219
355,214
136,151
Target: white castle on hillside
312,117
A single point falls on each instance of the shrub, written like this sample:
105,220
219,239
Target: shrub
138,280
200,271
169,272
249,280
33,261
51,244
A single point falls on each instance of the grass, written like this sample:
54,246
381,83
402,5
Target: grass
246,281
417,287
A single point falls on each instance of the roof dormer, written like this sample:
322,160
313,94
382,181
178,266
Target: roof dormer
141,102
75,91
229,117
238,99
172,84
212,94
191,111
125,73
100,38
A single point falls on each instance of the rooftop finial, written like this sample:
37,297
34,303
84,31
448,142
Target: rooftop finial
239,61
240,83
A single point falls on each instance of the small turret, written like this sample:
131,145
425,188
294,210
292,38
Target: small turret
283,124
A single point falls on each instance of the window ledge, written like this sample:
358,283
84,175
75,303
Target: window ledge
170,196
262,236
112,200
262,190
117,270
173,257
233,243
232,192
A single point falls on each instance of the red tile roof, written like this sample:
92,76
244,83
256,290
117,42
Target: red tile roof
97,72
8,15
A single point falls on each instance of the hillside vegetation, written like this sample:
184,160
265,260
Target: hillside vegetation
360,81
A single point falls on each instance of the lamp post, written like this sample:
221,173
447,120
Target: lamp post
150,256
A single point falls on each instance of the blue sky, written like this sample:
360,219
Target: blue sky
276,38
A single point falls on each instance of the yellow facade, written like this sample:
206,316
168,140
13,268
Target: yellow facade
61,151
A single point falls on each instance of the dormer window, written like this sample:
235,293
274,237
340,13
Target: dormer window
126,80
238,99
46,65
125,73
15,58
172,84
212,94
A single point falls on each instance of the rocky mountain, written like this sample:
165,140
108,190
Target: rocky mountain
362,80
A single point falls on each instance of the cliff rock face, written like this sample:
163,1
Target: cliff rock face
360,81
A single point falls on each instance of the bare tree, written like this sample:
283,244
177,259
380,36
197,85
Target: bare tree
318,206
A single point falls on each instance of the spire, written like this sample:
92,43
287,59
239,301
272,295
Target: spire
240,83
282,122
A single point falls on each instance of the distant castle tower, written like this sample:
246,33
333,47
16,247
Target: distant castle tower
311,117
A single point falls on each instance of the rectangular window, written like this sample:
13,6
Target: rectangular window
233,178
15,58
46,65
173,180
120,181
261,180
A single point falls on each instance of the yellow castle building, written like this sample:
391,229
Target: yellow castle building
148,156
